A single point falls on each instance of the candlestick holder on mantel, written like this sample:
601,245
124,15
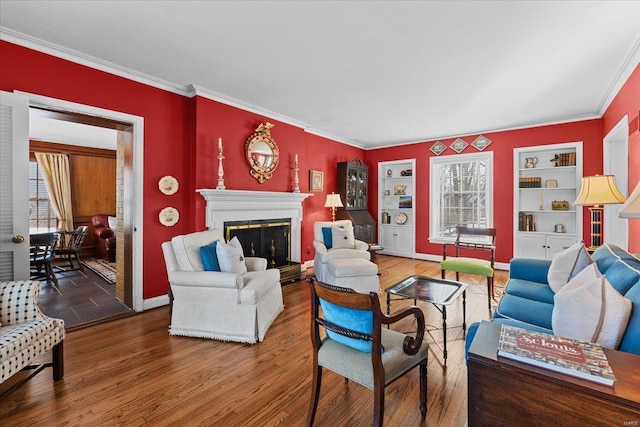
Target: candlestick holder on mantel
296,180
220,185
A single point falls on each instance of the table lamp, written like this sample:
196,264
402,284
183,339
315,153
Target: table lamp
631,208
333,201
596,191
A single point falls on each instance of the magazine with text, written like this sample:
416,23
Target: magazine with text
572,357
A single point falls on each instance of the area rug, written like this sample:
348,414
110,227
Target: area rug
103,268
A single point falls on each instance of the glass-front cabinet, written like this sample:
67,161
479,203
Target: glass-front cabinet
352,185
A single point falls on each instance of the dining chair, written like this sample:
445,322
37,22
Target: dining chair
41,253
357,347
69,248
474,239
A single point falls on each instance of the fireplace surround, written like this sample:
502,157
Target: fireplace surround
244,205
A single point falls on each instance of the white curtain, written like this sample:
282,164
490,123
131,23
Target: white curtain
55,171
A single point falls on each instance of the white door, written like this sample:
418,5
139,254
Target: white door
14,190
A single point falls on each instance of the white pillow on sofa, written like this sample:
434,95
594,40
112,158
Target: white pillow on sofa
231,257
588,308
567,264
342,237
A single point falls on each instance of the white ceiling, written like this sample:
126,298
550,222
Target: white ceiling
368,73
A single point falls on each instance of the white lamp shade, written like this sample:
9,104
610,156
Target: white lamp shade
631,208
599,190
333,201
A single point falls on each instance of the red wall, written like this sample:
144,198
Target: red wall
180,136
627,102
180,139
502,145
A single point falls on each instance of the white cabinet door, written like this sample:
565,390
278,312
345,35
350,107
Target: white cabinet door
558,243
531,245
14,190
404,236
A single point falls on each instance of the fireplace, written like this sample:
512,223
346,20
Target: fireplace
229,206
267,238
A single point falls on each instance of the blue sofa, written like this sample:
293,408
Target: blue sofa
528,300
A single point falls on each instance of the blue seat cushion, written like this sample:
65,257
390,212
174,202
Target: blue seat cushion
605,256
530,290
528,311
631,338
534,270
349,318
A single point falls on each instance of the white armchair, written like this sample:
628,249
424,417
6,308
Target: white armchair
359,249
219,305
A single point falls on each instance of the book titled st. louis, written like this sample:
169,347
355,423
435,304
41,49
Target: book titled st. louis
572,357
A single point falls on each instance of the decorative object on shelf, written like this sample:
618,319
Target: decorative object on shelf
530,162
458,145
220,185
480,143
262,153
389,173
551,183
405,202
598,190
560,205
401,218
169,216
631,208
564,159
168,185
386,218
399,190
387,192
315,180
296,180
406,172
559,228
332,202
438,148
540,202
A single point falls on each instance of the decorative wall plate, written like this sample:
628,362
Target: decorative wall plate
168,185
401,218
480,143
458,145
438,148
169,216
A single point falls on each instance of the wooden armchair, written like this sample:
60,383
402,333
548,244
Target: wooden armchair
357,347
472,239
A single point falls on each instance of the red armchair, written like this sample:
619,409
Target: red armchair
105,236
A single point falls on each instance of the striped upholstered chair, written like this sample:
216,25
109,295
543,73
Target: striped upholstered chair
26,333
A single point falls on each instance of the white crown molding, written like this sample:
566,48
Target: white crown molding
630,62
43,46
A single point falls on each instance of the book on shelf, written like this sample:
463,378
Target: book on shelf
568,356
527,222
530,182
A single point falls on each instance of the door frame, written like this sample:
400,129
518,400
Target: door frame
137,124
615,160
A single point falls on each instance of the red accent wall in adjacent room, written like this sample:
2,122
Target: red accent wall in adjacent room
627,102
502,145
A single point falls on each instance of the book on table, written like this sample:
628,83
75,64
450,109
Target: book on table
572,357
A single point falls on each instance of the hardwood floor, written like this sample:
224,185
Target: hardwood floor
131,372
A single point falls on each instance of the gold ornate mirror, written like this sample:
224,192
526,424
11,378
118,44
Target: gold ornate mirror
262,153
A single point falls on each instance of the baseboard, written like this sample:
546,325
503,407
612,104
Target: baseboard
150,303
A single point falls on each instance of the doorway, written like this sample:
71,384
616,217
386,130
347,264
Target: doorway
129,173
616,162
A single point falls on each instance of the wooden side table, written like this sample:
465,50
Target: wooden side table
503,392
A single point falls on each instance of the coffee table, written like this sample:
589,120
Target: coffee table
440,293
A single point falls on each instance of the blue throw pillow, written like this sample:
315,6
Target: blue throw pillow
210,257
326,237
349,318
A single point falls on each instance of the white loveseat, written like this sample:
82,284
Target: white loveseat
26,333
219,305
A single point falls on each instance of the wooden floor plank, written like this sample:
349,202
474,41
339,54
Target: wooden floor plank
131,372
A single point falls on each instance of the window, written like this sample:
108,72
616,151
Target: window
41,214
461,194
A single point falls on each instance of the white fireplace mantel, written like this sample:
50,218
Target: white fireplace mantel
243,205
